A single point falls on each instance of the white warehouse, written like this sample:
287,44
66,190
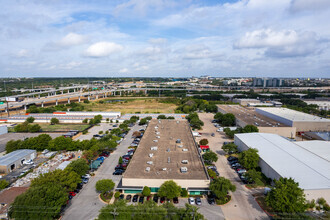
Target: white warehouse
300,120
280,157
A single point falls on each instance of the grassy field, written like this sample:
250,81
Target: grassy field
62,127
132,106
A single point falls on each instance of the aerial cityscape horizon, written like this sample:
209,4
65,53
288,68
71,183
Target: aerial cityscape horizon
227,38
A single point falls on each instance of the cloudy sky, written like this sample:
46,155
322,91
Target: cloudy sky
106,38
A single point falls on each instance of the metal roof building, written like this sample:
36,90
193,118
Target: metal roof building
320,148
280,157
300,120
15,159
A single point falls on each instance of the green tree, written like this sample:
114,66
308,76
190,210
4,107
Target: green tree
220,187
3,184
79,166
286,197
228,119
231,147
250,129
161,117
203,141
218,116
30,119
42,142
13,145
146,191
210,156
85,121
211,173
39,202
169,189
184,192
249,158
104,185
120,161
67,179
254,175
117,194
34,128
143,121
54,121
61,143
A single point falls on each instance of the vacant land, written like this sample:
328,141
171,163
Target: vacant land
132,106
63,127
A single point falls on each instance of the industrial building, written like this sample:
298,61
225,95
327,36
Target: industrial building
63,117
167,151
248,116
323,105
15,159
300,120
245,102
306,162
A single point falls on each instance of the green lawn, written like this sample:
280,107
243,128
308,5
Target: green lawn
63,127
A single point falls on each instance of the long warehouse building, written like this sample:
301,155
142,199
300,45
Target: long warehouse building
306,162
15,159
300,120
167,151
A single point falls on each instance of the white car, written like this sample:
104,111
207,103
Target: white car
86,176
28,161
191,201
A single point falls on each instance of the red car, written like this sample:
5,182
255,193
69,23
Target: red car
148,198
72,194
162,199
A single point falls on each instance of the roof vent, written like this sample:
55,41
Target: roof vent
164,169
168,150
184,149
178,141
151,155
158,137
153,148
155,140
177,122
184,161
149,162
157,132
168,160
148,169
180,146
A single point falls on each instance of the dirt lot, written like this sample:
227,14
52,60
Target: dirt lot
62,127
243,205
132,106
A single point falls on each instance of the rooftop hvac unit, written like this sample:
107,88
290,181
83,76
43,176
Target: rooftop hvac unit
168,150
177,122
184,149
156,127
180,146
178,141
154,148
158,137
168,160
149,162
184,161
184,169
151,155
164,169
148,169
155,140
159,121
157,132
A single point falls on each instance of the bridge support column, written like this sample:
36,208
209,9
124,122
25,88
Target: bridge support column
119,93
79,99
97,97
105,95
62,92
25,107
56,103
39,96
145,91
42,104
89,98
68,100
6,110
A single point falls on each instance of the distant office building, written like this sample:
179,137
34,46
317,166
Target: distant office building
267,82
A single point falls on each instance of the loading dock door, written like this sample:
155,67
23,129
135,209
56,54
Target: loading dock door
12,167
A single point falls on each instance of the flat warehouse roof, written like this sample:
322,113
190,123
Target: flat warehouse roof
250,116
167,158
320,148
14,156
290,160
293,115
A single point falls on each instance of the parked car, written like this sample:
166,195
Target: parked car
114,126
86,176
198,201
175,200
212,134
162,199
211,200
135,198
128,198
231,158
72,193
155,198
118,172
141,200
28,162
191,201
84,180
149,197
122,196
241,171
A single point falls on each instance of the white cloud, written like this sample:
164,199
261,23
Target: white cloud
158,40
23,53
283,43
309,5
72,39
124,70
103,49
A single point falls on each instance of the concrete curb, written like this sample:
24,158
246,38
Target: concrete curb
102,200
263,209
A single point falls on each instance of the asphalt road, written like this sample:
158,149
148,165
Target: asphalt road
86,204
243,205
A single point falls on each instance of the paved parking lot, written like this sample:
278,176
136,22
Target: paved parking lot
95,130
243,205
86,204
4,138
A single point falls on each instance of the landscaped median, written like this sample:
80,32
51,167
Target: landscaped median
105,187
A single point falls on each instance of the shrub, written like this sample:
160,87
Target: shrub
3,184
146,191
54,121
203,142
184,193
117,194
104,185
30,120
